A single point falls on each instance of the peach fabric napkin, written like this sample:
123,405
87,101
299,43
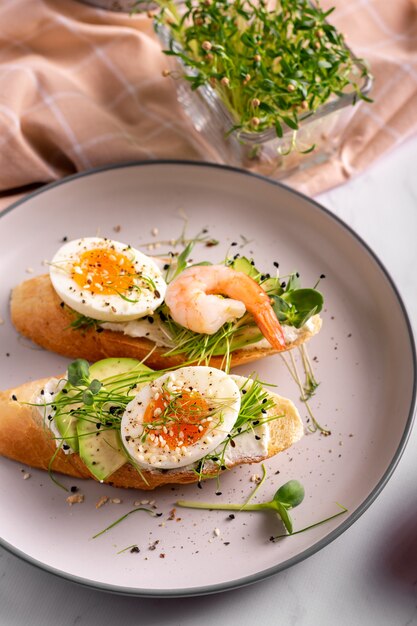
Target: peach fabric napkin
82,87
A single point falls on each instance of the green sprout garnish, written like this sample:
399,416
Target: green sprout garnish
290,495
80,321
121,519
272,66
286,498
255,405
306,389
310,383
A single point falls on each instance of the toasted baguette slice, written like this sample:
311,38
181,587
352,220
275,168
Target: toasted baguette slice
24,438
36,313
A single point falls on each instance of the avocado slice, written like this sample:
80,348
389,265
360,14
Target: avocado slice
66,422
99,447
242,264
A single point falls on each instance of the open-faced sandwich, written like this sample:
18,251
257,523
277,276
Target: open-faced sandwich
126,425
103,298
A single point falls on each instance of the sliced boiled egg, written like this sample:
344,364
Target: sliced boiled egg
180,417
107,280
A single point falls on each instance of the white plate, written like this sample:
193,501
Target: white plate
365,360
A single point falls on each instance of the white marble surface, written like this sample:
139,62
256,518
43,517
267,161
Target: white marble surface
369,574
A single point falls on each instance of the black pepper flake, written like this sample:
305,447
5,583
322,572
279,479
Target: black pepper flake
231,516
42,392
158,514
283,284
74,489
166,266
234,243
199,485
157,294
64,239
65,447
276,264
14,398
150,319
98,425
257,437
62,304
134,550
218,493
272,539
322,275
244,391
226,543
256,422
7,353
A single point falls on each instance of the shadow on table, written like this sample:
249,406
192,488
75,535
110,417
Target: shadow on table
397,564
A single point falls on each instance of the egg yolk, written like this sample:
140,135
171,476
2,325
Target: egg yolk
185,417
103,271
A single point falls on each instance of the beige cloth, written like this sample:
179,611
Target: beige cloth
81,87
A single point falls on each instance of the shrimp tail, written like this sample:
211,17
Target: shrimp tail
270,327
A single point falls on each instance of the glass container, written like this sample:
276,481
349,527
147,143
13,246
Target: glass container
263,151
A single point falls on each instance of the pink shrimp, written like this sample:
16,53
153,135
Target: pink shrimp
192,303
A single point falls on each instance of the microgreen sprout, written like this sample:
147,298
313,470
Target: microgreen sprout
287,497
272,65
81,322
255,410
121,519
305,390
310,383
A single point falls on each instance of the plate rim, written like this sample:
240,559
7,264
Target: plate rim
353,517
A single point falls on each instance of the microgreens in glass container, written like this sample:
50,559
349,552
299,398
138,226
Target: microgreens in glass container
270,84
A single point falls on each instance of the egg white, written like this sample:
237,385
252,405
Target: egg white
216,387
106,308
